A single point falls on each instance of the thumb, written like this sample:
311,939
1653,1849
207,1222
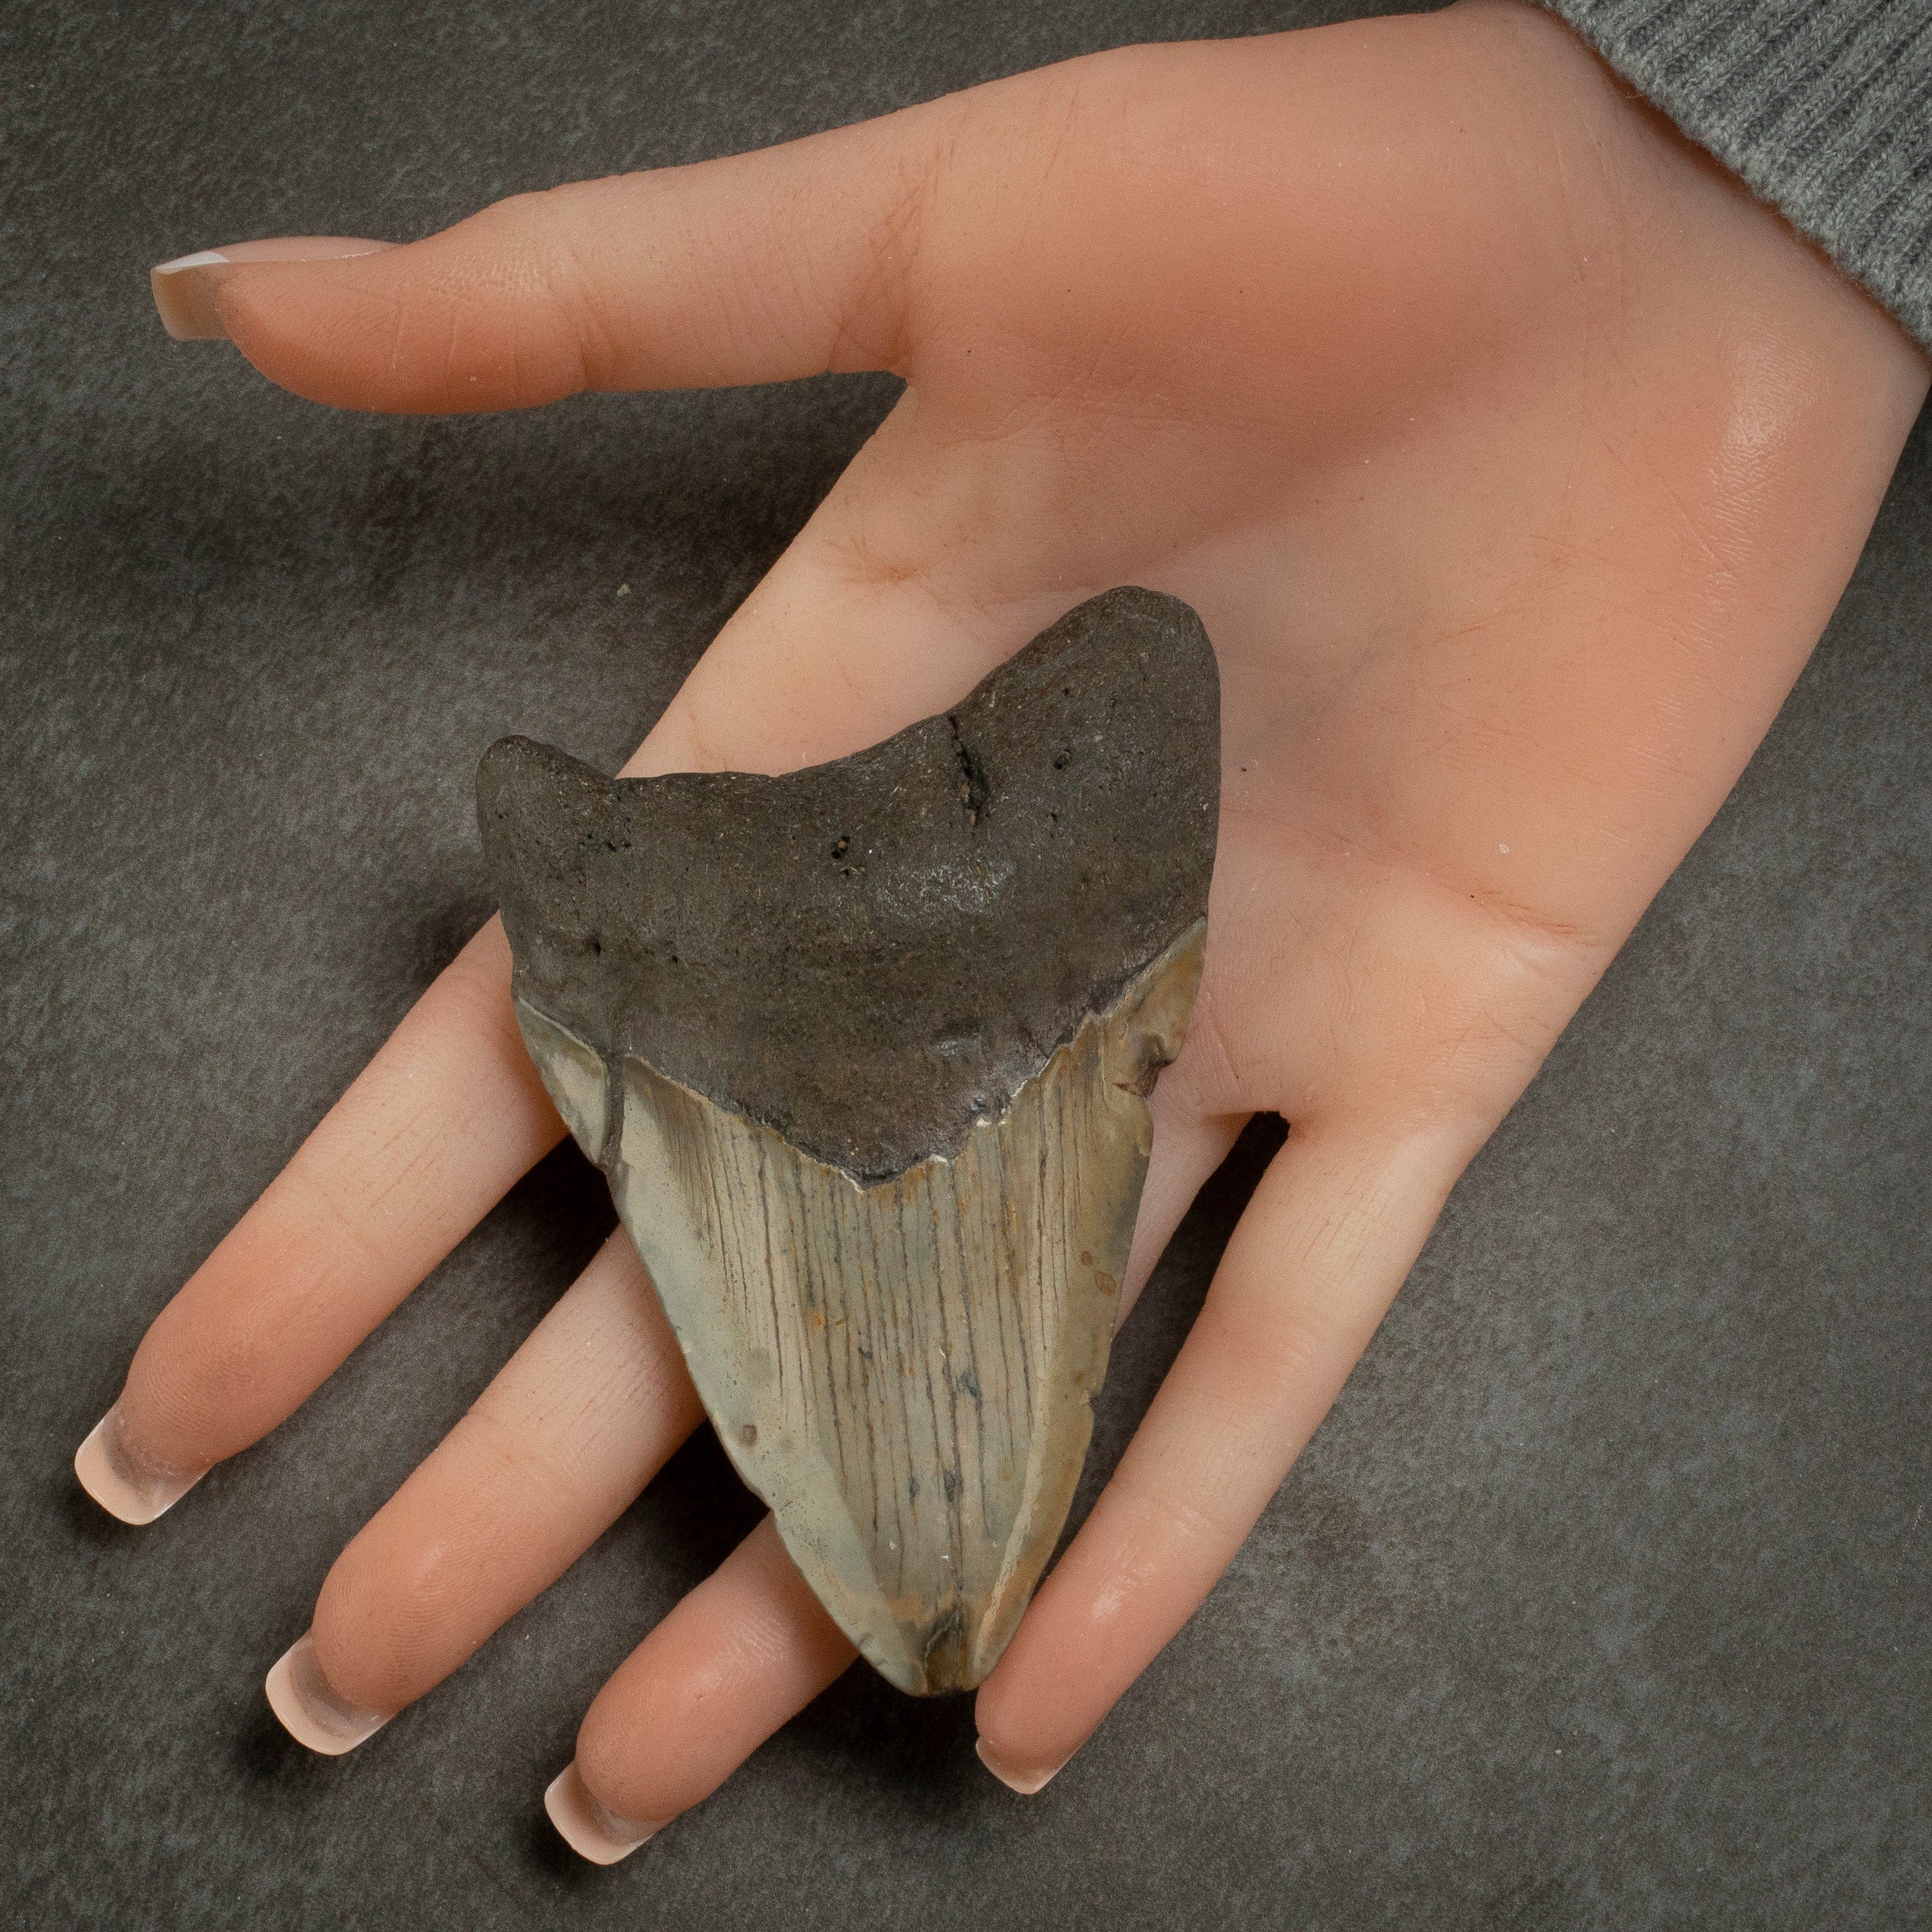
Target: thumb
789,262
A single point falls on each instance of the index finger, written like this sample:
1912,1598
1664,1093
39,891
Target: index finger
429,1136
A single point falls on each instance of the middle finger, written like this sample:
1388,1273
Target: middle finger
554,1450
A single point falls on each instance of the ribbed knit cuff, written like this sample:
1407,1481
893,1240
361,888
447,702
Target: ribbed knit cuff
1824,107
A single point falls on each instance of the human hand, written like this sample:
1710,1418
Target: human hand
1514,459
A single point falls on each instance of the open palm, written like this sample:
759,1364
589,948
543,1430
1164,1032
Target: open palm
1514,459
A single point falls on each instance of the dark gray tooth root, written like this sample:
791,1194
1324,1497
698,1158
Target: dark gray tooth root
864,1052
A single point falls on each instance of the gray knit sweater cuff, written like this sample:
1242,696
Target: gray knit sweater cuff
1823,106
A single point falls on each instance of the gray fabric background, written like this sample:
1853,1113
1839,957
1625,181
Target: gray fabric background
1601,1600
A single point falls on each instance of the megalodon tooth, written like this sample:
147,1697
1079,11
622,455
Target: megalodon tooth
864,1051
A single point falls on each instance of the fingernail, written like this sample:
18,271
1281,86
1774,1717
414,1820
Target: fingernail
1026,1783
312,1711
125,1484
590,1828
185,288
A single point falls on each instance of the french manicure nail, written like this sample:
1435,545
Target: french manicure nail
1026,1783
123,1483
185,289
312,1711
590,1828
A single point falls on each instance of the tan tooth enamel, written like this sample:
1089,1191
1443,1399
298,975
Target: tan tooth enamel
573,1074
902,1370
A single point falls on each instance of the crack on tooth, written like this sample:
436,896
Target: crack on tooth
975,790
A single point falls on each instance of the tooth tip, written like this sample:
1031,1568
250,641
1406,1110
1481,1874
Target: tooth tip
590,1829
311,1710
123,1492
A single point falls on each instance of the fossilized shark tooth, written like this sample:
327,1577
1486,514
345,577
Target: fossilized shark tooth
864,1051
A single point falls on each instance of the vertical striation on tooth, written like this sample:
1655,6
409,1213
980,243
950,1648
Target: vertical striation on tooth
864,1052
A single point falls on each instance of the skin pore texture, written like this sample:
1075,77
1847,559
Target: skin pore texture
1514,458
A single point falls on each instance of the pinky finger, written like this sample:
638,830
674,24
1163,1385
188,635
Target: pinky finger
748,1649
1330,1233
